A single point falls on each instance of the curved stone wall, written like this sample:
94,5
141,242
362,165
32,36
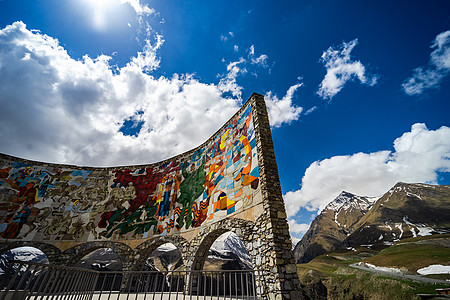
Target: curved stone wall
229,183
51,202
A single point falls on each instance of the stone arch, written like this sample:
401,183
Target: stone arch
74,254
200,245
143,251
53,253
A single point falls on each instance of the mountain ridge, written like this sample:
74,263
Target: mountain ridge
406,210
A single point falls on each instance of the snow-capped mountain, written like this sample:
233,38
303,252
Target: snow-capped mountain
332,225
406,210
22,254
103,259
229,252
166,257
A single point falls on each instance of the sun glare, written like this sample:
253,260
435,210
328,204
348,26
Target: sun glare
103,13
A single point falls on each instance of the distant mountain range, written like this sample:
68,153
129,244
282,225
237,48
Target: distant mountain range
228,253
350,221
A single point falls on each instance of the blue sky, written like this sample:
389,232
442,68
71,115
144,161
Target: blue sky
358,92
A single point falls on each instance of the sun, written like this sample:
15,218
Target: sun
103,13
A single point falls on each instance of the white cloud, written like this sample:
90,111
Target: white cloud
147,60
225,37
70,111
340,69
311,110
58,109
282,111
296,228
229,83
251,50
431,75
260,60
417,157
139,8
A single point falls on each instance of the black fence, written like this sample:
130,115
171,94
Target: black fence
26,280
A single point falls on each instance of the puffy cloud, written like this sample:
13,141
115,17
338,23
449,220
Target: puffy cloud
431,75
91,112
260,60
340,69
147,59
282,111
296,228
72,110
417,157
229,83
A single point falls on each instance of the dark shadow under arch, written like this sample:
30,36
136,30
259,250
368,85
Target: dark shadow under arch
101,259
77,252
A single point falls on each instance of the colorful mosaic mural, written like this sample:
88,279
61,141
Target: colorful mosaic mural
49,202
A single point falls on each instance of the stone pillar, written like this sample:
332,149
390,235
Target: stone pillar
275,264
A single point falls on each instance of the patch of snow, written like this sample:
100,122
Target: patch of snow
100,265
425,185
381,237
388,243
400,227
384,269
335,218
26,249
167,247
434,269
388,226
351,248
424,230
367,246
413,195
347,201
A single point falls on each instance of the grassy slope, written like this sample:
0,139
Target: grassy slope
344,282
413,254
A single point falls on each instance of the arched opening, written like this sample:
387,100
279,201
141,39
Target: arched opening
228,253
102,259
165,258
25,254
164,268
225,267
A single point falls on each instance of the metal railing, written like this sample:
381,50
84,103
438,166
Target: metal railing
26,280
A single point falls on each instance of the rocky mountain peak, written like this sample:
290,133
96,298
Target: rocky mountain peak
346,201
406,210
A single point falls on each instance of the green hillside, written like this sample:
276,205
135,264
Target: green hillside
330,276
